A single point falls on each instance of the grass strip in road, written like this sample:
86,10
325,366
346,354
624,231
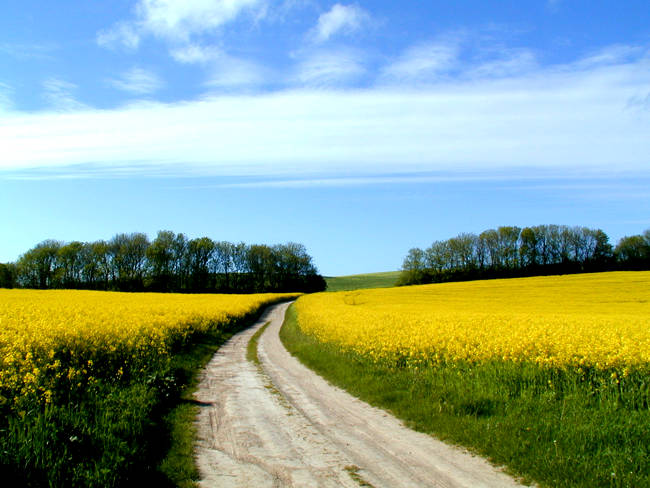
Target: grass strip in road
502,411
179,465
353,471
253,357
251,348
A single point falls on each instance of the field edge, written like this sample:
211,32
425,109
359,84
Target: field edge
546,438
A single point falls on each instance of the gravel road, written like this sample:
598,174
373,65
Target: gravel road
282,425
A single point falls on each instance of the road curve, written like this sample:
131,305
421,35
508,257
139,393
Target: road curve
283,425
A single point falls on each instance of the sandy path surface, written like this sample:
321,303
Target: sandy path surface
286,426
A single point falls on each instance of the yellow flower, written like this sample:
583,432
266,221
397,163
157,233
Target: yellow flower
100,333
599,320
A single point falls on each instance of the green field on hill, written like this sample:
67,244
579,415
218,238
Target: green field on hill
368,280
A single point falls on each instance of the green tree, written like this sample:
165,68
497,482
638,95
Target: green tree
603,250
260,263
633,251
71,264
413,267
128,260
37,267
293,267
528,247
97,266
7,275
200,255
224,263
437,257
490,239
508,249
161,256
240,268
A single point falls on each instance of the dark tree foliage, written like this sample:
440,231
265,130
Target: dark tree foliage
169,263
513,251
7,275
38,267
635,250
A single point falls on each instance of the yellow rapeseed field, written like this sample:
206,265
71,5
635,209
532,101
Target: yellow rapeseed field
54,341
599,321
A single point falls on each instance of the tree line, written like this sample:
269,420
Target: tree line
169,263
511,251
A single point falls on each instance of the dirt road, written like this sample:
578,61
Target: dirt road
285,426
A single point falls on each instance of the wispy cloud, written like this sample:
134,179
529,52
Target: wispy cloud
193,53
60,95
616,54
236,73
422,63
40,51
558,119
340,19
224,71
329,68
371,179
508,62
6,92
122,34
177,21
138,81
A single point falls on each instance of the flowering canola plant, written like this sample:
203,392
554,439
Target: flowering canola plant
55,341
599,321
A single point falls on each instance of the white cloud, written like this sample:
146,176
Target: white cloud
234,73
177,20
123,33
422,63
340,19
556,120
618,53
6,92
225,71
195,54
59,95
38,51
329,68
340,181
138,81
508,63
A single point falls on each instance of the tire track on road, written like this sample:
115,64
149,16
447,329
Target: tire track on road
311,433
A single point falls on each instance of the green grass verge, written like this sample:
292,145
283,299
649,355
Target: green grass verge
353,471
561,435
356,282
178,466
115,435
251,348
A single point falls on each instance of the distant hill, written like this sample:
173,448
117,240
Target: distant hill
369,280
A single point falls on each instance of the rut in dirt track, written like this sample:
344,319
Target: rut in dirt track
282,425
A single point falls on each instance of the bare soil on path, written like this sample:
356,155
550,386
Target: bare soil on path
282,425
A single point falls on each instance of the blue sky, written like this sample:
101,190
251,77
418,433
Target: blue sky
359,129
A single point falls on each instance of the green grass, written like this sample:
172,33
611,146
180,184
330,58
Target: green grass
353,471
576,433
356,282
251,348
177,466
115,434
